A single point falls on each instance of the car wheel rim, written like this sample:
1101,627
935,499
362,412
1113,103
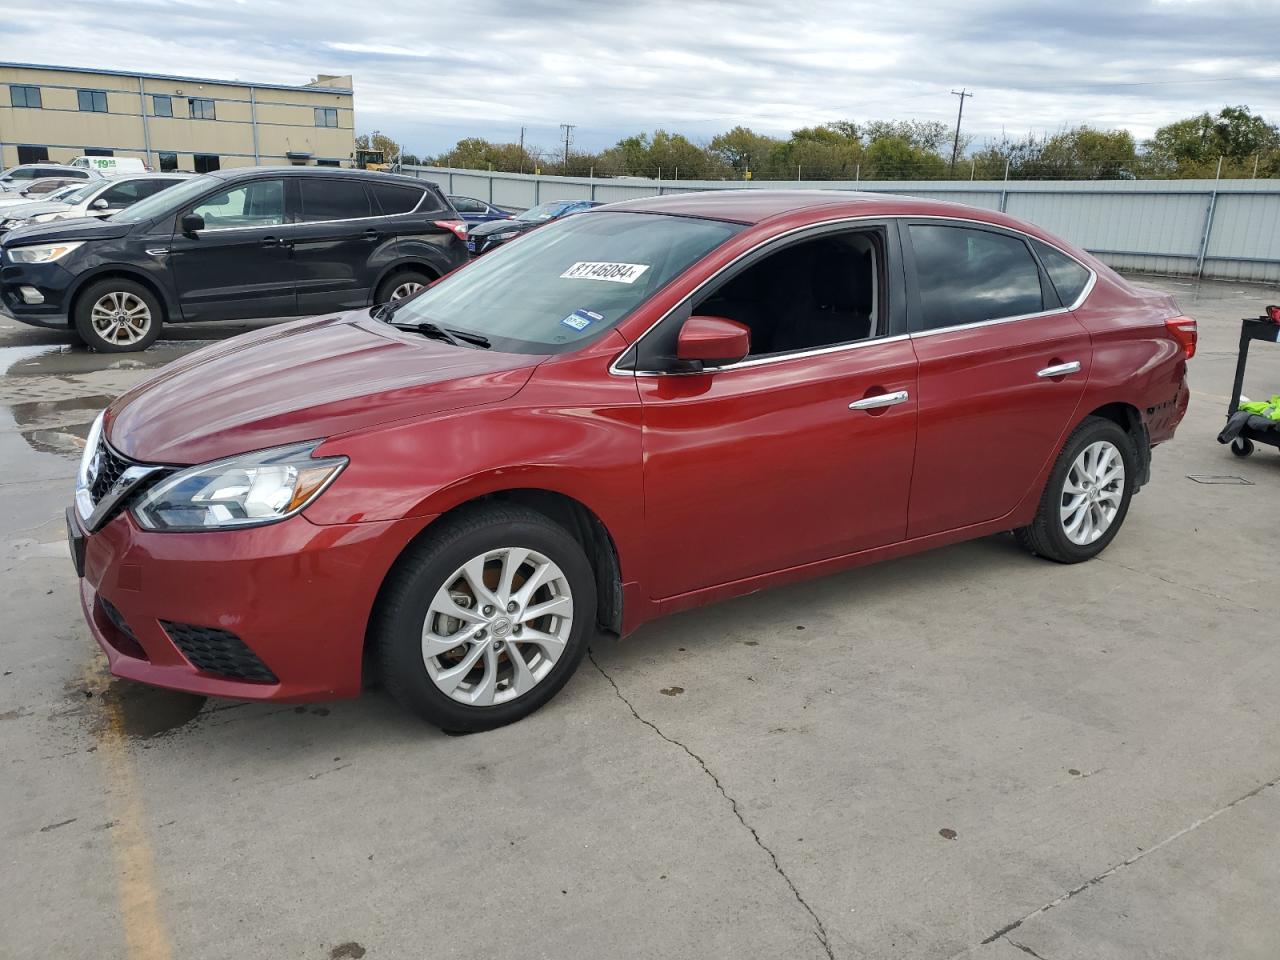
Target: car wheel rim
120,318
406,289
1092,493
497,626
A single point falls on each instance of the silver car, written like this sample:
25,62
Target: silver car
16,178
101,198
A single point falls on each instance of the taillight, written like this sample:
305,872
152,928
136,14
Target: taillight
459,227
1274,314
1183,329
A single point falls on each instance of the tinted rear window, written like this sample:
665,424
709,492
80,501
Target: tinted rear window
333,200
968,276
1068,276
397,198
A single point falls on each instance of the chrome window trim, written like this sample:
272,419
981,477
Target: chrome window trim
900,218
773,358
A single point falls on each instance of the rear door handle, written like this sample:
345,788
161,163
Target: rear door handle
880,400
1059,370
371,234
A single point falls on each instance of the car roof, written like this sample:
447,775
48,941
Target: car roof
238,173
753,206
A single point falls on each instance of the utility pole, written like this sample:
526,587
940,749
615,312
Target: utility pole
522,149
955,147
568,130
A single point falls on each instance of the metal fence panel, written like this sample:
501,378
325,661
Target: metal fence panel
1228,229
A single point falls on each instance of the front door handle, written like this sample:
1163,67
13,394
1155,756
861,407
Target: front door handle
880,400
1059,370
371,234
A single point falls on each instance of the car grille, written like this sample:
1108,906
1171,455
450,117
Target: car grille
110,466
219,652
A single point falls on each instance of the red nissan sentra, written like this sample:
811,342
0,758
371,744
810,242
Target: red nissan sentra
637,410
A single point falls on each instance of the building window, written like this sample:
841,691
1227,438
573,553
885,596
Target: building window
29,154
162,106
92,101
326,116
98,152
201,109
328,163
21,96
206,162
168,162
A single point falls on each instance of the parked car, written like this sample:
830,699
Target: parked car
477,211
489,236
239,243
111,166
19,177
98,198
19,198
634,411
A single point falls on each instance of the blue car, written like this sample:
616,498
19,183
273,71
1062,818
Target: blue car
487,236
477,211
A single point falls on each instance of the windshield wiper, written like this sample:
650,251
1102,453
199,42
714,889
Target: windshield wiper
455,337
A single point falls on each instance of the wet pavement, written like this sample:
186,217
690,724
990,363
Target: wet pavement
968,752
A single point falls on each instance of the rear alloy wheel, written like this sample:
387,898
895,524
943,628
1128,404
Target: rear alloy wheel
483,621
117,316
1087,496
400,285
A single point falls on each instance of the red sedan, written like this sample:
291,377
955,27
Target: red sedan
640,409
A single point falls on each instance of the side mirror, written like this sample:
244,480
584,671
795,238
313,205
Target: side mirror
99,204
192,222
714,340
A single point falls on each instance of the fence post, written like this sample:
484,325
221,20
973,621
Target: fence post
491,187
451,181
537,189
1208,224
1004,192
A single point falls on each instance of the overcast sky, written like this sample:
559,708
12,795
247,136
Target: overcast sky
427,74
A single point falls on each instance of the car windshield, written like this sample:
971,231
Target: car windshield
568,282
166,201
546,211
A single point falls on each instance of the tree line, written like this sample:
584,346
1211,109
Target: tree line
1234,142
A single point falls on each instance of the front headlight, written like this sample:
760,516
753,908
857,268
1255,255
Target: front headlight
508,235
243,491
44,252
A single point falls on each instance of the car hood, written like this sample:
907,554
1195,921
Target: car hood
303,380
81,228
33,209
499,226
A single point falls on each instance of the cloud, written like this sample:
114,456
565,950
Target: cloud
488,67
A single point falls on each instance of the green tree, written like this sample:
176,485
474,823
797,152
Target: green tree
742,148
1191,147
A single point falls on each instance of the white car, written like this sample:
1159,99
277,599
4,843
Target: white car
16,178
101,198
15,199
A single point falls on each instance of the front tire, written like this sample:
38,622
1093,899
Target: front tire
483,621
117,316
1087,497
401,284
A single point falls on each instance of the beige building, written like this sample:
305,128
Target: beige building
172,123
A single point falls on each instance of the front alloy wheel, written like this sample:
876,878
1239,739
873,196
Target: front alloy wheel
485,617
497,626
117,315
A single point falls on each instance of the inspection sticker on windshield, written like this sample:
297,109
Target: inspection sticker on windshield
613,272
581,319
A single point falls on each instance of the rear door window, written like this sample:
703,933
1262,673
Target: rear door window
393,198
966,275
333,200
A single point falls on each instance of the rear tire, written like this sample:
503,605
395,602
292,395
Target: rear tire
1087,497
401,284
117,316
457,654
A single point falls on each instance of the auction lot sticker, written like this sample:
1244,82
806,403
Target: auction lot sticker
600,270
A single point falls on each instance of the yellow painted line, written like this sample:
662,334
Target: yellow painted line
144,930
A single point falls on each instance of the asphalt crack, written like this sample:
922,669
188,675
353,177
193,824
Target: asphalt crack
1112,871
1024,948
820,931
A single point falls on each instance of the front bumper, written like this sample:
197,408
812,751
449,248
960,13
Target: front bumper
296,595
478,245
52,280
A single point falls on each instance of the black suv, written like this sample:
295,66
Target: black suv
231,245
